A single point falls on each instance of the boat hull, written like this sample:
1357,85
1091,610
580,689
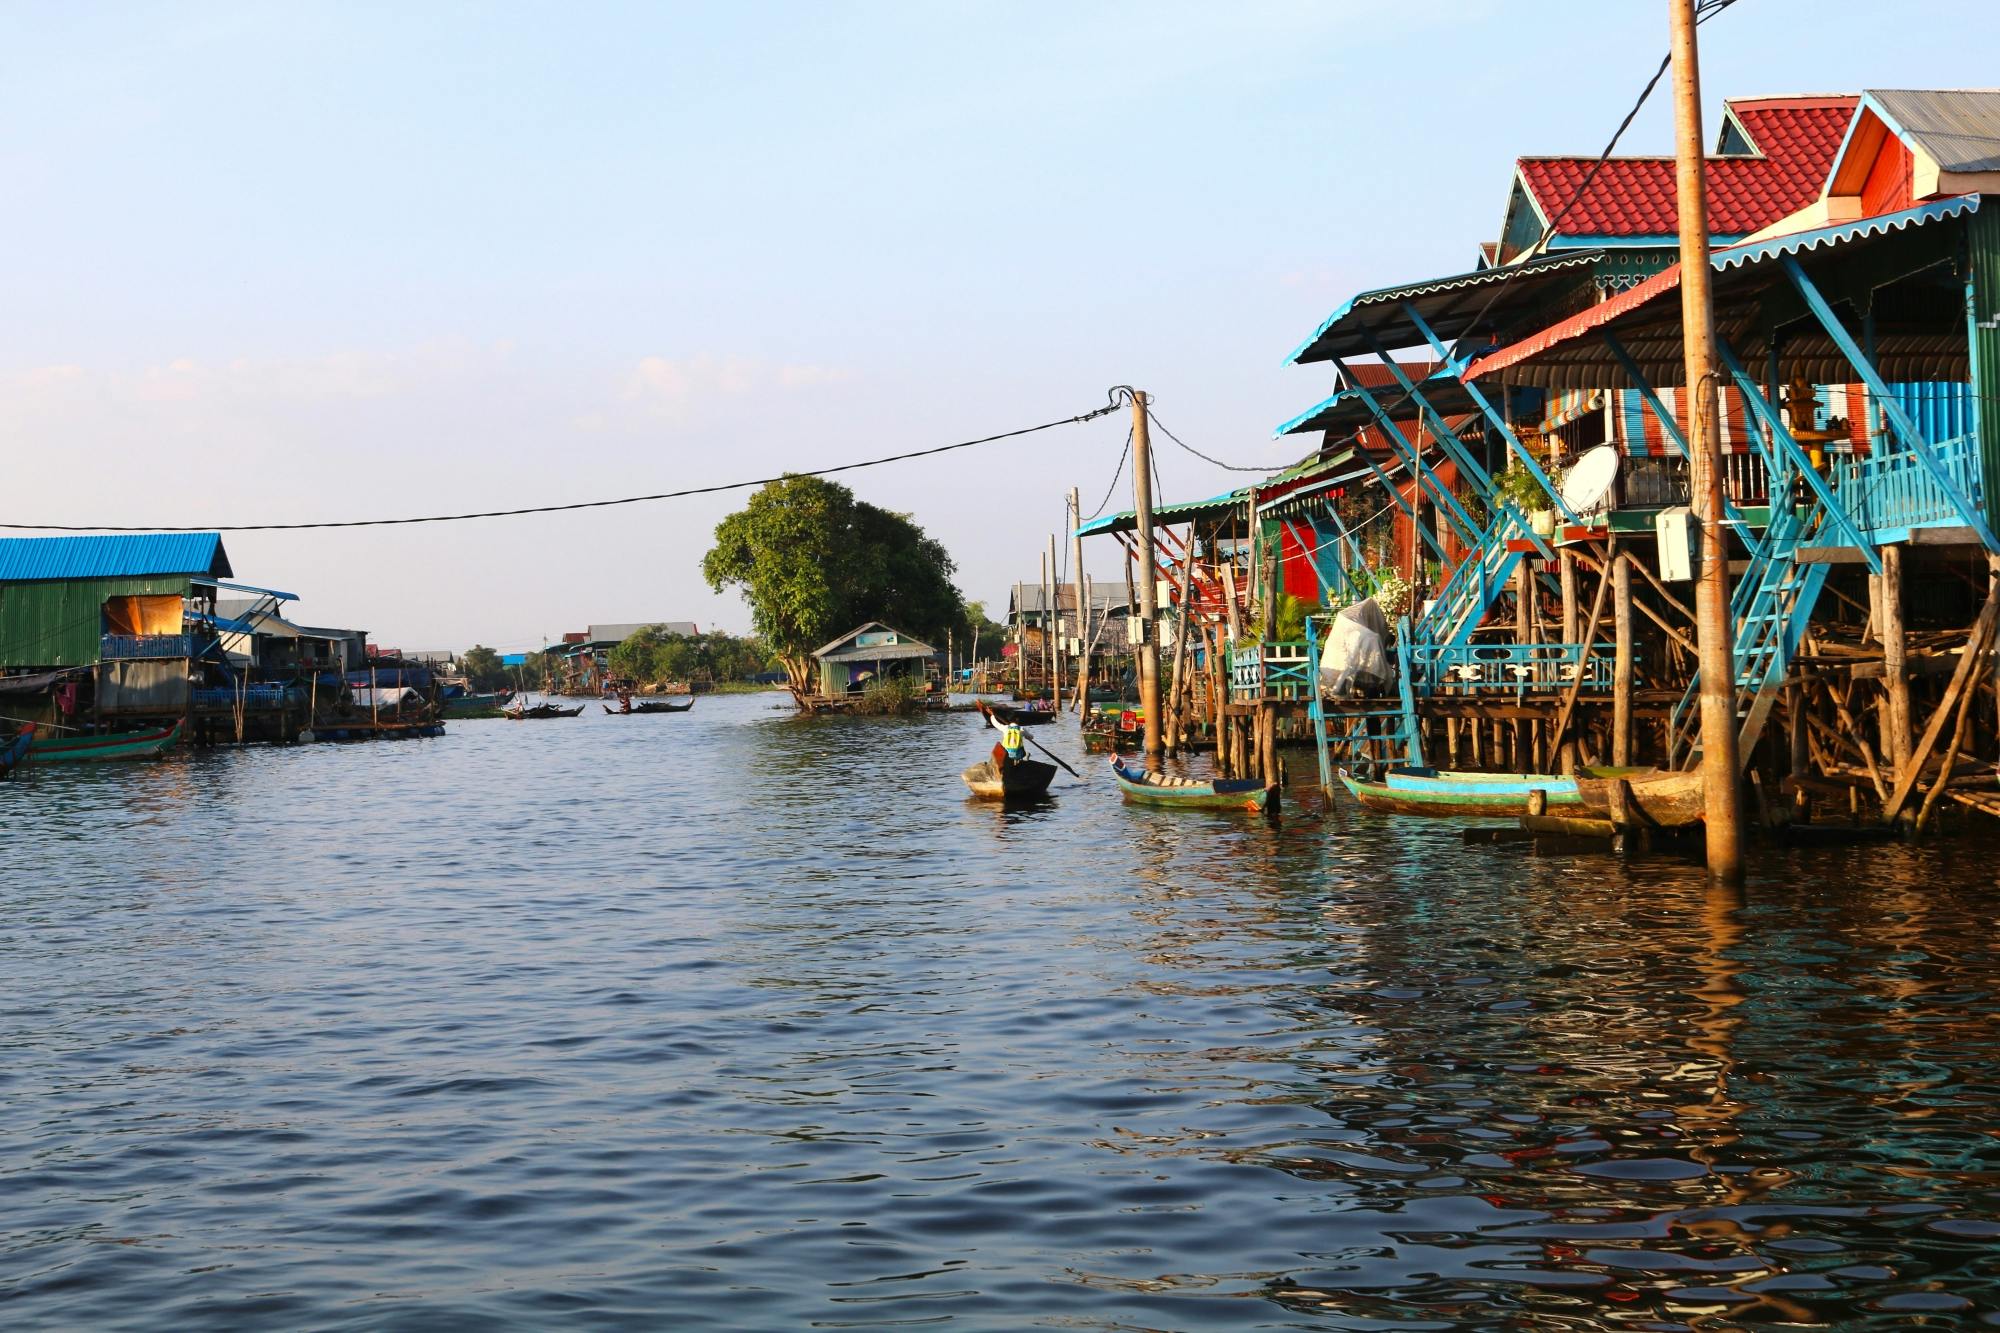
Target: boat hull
1142,788
1020,717
1664,800
14,750
1018,781
94,749
1407,792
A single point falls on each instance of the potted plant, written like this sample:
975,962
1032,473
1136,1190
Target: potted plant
1518,487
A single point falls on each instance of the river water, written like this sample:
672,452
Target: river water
735,1020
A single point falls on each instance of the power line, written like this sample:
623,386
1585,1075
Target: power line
1704,11
1226,467
1117,472
1112,406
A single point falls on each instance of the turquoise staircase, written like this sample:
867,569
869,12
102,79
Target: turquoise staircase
1770,608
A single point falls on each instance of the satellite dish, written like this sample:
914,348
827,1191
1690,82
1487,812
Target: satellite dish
1587,485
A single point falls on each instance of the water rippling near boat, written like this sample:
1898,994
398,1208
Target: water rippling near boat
738,1021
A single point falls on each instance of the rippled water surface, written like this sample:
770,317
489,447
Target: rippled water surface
737,1021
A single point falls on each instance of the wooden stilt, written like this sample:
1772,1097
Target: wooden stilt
1980,644
1621,670
1895,661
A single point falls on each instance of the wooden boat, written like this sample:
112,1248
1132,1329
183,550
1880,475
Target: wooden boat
1190,793
14,750
105,746
1428,791
1659,799
649,707
540,711
1020,717
1021,780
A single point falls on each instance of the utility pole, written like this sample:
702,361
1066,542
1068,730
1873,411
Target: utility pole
1047,672
1149,581
1713,631
1082,603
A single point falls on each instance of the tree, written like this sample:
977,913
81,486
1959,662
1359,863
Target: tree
813,562
482,670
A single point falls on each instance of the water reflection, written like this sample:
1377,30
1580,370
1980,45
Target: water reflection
737,1020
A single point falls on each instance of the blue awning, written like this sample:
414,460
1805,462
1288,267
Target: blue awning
1736,256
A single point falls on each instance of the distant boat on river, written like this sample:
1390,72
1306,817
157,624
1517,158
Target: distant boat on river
105,745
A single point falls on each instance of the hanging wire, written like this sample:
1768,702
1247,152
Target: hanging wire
1118,472
1112,405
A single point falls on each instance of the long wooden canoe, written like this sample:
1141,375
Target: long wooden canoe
1023,779
1190,793
1430,791
110,745
15,748
1664,800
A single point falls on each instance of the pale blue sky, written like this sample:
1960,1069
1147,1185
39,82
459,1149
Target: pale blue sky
300,261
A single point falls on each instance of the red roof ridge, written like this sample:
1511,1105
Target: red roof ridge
1815,101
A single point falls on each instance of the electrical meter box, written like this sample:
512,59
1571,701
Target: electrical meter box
1676,531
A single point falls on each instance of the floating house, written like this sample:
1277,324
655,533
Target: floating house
868,653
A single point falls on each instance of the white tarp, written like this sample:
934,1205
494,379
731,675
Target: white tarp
393,696
1356,658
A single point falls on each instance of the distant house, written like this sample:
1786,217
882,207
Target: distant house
583,658
872,652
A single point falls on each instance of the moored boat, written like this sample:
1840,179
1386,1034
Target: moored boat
1021,779
15,748
649,707
1190,793
104,746
1020,717
1426,791
477,705
1662,799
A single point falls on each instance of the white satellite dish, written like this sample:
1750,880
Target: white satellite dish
1587,485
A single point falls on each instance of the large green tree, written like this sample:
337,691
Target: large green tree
814,562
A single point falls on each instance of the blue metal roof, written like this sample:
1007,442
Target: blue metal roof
1738,255
1437,299
123,555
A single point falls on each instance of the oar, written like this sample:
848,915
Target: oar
1051,754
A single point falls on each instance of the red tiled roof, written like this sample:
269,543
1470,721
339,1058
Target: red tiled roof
1635,196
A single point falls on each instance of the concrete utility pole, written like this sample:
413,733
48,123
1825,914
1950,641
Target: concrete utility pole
1082,603
1713,631
1149,581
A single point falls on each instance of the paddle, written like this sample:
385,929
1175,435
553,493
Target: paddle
1051,754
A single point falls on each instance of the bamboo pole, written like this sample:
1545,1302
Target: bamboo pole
1576,685
1182,622
1149,579
1721,780
1056,624
1082,603
1895,661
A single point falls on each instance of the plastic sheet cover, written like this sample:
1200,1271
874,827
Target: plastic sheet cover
1356,658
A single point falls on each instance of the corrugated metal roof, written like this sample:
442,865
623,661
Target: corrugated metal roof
907,646
1569,355
1958,127
1437,300
123,555
1215,506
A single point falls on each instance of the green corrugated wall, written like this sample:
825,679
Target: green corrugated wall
62,624
1983,239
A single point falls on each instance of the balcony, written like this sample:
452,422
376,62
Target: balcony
1890,491
143,647
1510,668
1280,669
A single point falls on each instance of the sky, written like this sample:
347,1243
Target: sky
301,262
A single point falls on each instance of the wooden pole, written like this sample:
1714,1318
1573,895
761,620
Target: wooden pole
1582,666
1621,670
1895,661
1183,621
1721,781
1566,749
1082,603
1045,619
1055,610
1149,579
1980,643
